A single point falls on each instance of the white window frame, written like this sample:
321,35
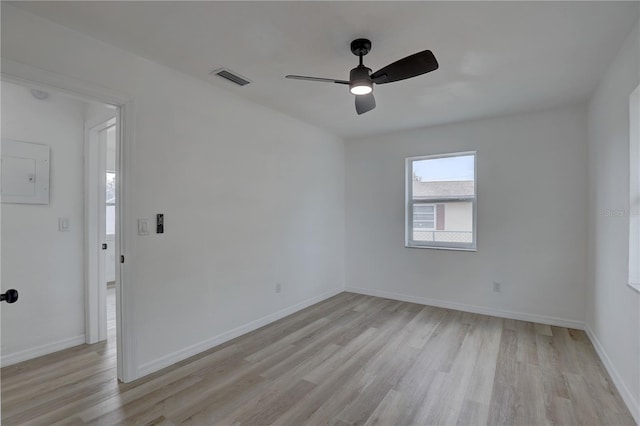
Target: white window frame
409,203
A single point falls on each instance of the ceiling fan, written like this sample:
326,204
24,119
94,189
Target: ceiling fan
361,80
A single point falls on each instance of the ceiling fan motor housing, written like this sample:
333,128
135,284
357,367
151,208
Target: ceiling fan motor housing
359,76
360,46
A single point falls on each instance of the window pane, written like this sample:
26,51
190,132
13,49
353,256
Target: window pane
111,187
111,220
448,177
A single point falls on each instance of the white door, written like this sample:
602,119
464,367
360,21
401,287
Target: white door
101,224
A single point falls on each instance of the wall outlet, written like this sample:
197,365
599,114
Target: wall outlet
278,288
497,287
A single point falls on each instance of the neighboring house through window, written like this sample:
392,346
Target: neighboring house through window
441,201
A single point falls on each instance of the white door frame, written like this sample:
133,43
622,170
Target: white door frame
14,72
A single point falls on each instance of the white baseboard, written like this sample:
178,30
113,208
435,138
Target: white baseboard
522,316
172,358
31,353
627,396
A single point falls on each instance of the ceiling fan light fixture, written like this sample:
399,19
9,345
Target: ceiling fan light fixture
361,90
359,81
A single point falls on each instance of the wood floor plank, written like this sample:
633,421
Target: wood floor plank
543,329
215,409
226,401
551,368
561,412
336,383
268,409
387,368
445,407
226,382
143,392
473,413
475,405
349,360
142,406
388,411
586,413
481,380
529,396
503,396
527,351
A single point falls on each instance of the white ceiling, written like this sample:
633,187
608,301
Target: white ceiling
495,57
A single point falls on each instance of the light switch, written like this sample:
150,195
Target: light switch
63,224
143,226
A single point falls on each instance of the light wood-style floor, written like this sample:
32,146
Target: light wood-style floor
351,359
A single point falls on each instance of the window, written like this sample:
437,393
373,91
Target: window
634,187
441,201
108,138
111,204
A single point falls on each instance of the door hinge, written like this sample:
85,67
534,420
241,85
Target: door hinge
121,258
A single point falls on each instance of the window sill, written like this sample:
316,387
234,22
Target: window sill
441,248
635,287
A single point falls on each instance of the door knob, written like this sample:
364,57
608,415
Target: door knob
104,246
11,296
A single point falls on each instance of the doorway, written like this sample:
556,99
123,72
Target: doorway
53,267
100,225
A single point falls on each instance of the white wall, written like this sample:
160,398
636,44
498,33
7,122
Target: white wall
251,197
613,308
43,264
532,226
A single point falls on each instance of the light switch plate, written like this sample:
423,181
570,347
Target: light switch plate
143,226
63,224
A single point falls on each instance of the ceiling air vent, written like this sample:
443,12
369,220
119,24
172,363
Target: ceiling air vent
231,76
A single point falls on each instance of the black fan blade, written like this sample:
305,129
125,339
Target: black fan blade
324,80
411,66
365,103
